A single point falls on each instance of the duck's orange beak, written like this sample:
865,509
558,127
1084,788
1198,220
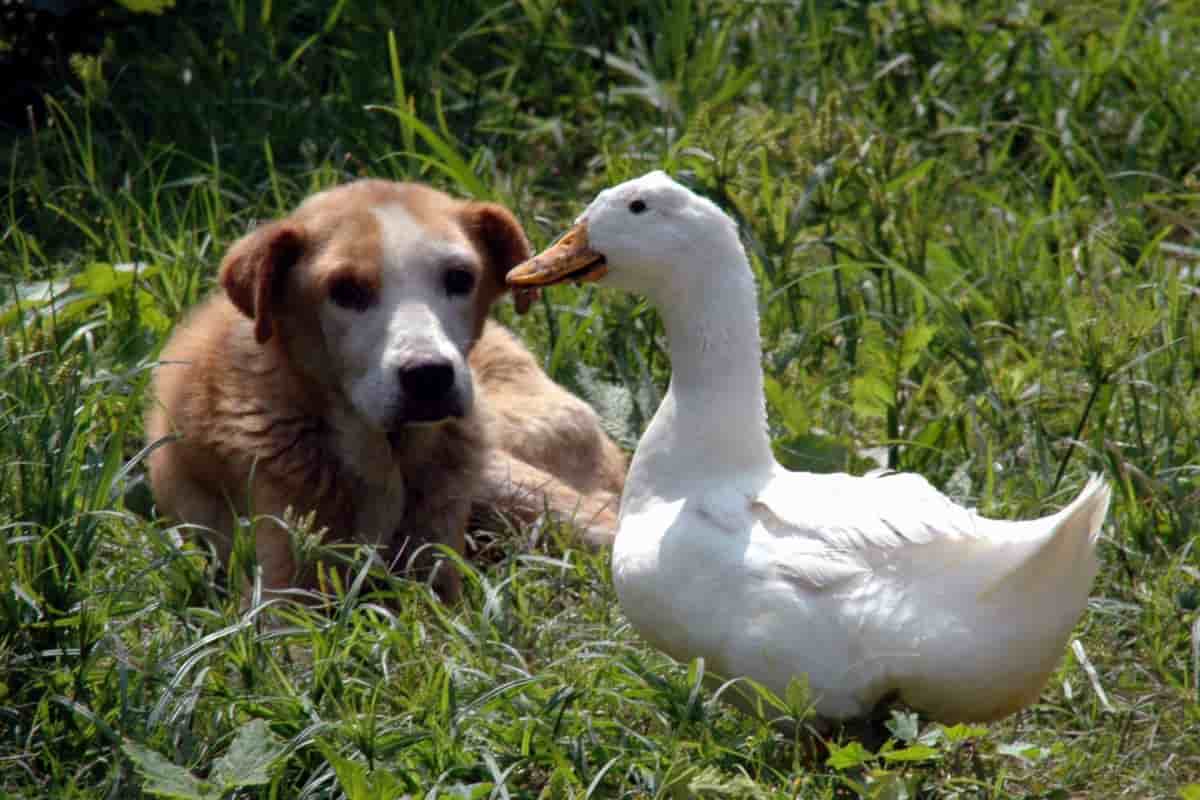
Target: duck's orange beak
568,259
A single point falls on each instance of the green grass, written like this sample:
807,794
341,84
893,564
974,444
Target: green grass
975,231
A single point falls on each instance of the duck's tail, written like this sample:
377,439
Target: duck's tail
1060,550
1031,582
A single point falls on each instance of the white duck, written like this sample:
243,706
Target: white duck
875,586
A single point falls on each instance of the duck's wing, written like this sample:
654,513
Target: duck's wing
897,527
820,530
881,510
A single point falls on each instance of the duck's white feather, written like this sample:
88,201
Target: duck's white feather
871,586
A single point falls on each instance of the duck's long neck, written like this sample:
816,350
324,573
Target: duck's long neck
712,424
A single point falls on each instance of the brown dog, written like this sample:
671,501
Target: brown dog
349,369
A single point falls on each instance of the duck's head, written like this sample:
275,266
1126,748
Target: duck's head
649,235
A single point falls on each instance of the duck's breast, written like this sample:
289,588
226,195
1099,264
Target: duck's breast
710,580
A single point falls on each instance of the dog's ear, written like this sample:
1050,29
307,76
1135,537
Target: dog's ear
503,243
254,271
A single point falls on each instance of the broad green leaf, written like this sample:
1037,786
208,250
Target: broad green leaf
916,752
359,783
905,726
872,394
787,405
797,695
249,760
150,313
147,6
932,433
166,779
1025,751
351,775
712,782
914,343
961,732
102,279
1190,792
884,363
849,756
812,453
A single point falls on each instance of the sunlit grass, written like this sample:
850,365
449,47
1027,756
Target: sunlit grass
975,231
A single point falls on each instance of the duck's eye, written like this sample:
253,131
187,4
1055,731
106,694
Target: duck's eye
637,206
348,291
458,281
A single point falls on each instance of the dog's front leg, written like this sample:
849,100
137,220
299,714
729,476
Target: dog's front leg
432,521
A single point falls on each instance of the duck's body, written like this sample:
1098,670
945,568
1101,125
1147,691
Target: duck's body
883,587
870,586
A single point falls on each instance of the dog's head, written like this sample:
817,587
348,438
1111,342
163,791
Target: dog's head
377,290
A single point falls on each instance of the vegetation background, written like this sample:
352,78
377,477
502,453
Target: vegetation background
975,227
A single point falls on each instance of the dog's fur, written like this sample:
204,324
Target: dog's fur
348,368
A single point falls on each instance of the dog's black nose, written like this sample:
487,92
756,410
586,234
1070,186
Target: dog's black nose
427,381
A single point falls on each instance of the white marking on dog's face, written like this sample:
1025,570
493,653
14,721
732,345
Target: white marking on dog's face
403,344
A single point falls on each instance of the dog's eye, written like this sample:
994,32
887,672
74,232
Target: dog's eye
458,281
637,206
349,292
